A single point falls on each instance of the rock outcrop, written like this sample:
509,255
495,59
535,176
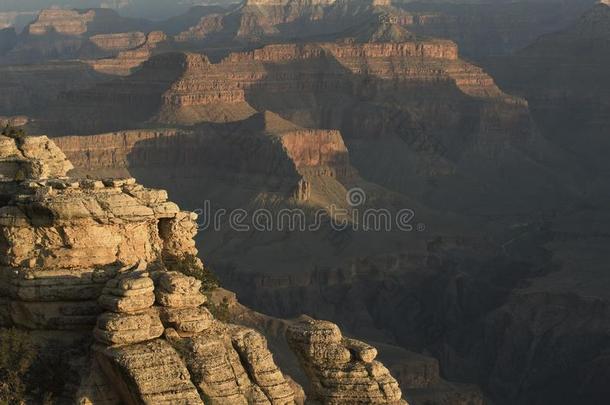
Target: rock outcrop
341,370
197,358
119,41
188,88
83,254
288,157
130,58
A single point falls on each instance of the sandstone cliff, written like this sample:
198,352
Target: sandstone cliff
286,155
82,254
384,97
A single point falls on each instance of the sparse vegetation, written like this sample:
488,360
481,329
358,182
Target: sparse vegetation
30,373
220,311
17,354
191,266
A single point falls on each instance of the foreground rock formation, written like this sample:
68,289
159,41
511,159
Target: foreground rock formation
84,255
341,370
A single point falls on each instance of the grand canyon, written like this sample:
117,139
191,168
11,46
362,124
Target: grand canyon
304,202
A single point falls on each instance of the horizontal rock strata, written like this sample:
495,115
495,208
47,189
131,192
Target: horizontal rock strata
87,254
341,370
65,238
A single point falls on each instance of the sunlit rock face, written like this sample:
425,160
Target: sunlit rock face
341,370
86,258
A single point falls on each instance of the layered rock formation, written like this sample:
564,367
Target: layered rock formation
120,41
285,152
198,358
341,370
383,97
74,248
197,90
131,56
417,374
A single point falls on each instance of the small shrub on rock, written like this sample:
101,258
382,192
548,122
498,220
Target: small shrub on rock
191,266
17,354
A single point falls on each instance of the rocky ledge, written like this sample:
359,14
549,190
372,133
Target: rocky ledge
94,258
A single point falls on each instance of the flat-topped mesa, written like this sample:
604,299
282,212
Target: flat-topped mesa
197,86
317,152
204,83
67,22
286,153
341,370
119,41
436,49
134,49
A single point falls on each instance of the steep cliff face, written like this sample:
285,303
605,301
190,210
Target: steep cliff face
82,255
445,117
284,152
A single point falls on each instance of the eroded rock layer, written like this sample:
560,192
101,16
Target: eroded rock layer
286,154
341,370
81,255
